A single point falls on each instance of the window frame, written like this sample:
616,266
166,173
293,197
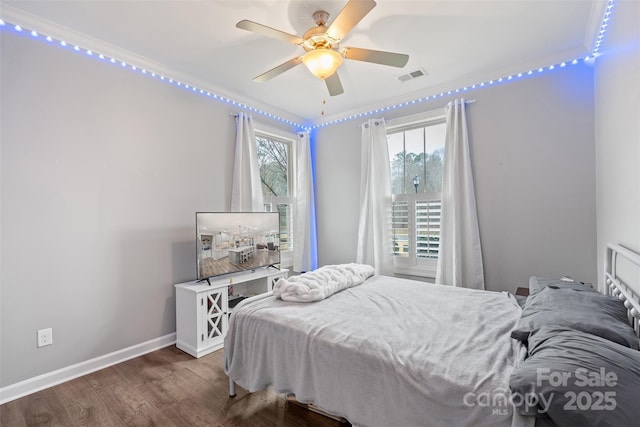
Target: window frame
412,264
286,256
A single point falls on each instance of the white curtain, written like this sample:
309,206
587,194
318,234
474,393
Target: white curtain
460,255
374,231
304,235
246,188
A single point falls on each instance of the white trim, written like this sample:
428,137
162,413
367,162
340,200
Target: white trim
277,137
291,143
447,90
415,271
426,118
49,379
598,8
60,32
198,353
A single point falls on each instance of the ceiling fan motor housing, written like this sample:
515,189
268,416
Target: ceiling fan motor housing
317,37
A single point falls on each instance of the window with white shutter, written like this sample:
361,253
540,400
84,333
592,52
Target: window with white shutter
416,154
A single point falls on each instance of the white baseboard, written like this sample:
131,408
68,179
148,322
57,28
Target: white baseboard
32,385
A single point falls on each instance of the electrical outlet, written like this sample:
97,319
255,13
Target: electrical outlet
45,337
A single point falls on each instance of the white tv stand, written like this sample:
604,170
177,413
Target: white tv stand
202,309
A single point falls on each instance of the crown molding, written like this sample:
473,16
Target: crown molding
13,15
463,84
598,8
459,86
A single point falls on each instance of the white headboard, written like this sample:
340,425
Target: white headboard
615,286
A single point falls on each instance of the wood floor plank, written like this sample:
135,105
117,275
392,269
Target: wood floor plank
209,367
44,408
164,388
11,415
104,378
129,406
149,367
175,387
188,412
84,406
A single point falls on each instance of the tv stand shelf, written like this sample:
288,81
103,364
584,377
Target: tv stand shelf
202,308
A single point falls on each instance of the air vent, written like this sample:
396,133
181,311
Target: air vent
413,75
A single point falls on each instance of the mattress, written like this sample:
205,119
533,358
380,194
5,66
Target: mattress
388,352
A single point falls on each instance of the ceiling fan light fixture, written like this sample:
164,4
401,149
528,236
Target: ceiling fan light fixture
322,62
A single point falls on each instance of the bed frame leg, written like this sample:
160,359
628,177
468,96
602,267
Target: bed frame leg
232,388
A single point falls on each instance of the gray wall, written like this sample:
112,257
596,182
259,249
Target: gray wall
337,153
102,172
533,157
617,83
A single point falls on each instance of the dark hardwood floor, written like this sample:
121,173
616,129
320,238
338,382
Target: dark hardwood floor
164,388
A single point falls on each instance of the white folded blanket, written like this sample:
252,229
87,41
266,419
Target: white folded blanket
322,283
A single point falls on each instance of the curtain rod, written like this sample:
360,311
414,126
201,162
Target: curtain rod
420,114
469,101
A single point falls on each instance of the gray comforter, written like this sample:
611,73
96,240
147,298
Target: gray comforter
390,352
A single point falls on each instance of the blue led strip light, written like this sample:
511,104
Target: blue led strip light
18,29
493,82
603,27
594,53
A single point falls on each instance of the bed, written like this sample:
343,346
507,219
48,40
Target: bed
393,351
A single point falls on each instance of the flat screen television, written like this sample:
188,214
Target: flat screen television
230,242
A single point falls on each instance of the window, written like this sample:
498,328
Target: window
416,155
274,159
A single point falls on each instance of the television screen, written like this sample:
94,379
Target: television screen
228,242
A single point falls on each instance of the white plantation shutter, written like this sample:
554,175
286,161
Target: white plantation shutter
286,226
416,232
400,223
427,214
416,152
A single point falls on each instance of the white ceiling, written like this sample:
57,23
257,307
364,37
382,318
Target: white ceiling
457,42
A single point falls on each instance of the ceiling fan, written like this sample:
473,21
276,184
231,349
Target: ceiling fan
322,45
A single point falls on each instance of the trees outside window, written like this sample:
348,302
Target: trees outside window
274,159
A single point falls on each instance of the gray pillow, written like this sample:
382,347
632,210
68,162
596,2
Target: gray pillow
538,283
578,379
590,312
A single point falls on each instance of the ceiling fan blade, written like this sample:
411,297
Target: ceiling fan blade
349,16
334,84
278,70
377,56
245,24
